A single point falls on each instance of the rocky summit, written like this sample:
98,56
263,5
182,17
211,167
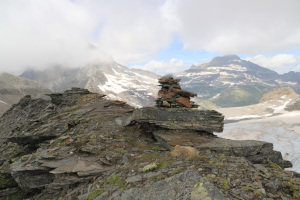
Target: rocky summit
79,145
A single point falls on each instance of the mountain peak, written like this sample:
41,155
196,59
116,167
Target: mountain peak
222,59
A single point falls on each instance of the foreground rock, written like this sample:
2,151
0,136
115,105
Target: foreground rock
90,156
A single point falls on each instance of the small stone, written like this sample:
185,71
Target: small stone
184,101
184,151
134,179
274,185
166,104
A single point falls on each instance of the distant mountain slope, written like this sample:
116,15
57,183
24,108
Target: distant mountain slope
136,87
13,88
230,81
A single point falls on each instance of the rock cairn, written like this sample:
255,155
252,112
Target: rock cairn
172,96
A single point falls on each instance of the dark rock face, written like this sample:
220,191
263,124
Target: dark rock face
172,96
181,118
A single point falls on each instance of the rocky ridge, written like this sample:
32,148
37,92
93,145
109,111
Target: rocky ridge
82,146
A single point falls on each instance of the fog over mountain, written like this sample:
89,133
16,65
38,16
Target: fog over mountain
135,86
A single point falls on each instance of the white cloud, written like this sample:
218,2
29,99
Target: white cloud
164,67
40,33
238,27
281,63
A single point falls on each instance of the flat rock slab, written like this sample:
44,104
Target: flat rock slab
181,118
255,151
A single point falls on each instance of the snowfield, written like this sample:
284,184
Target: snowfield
273,124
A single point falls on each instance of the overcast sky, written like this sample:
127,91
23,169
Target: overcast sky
162,36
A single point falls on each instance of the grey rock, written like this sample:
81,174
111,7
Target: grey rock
29,176
274,185
186,185
124,120
255,151
134,179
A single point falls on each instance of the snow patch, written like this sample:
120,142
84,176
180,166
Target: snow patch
280,109
216,96
283,97
249,116
3,102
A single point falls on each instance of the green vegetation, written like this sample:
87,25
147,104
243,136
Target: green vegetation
177,170
292,187
122,151
114,180
274,165
94,194
246,188
219,164
238,97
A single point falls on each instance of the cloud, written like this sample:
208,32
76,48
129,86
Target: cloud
281,63
239,27
163,67
41,33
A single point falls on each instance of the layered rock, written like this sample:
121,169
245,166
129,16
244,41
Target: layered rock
172,96
181,118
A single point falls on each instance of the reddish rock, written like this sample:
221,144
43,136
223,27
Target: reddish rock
166,104
119,103
185,101
183,93
166,94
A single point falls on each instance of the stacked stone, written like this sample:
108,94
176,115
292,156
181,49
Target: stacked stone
172,96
